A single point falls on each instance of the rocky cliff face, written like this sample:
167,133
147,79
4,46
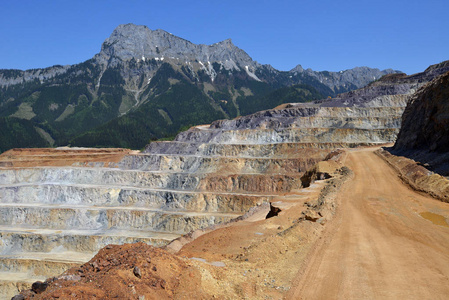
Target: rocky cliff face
424,134
426,118
139,42
14,77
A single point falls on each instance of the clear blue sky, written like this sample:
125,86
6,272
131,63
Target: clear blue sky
332,35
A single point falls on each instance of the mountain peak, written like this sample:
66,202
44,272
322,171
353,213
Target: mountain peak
130,26
297,69
226,42
129,41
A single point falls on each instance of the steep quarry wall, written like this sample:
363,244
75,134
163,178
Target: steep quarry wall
426,118
425,127
55,216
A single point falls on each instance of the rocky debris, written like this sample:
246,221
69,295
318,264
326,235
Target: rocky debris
335,155
321,171
274,211
312,215
137,272
315,208
95,266
333,185
39,287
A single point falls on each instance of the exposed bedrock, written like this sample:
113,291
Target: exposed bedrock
276,150
205,164
82,218
309,135
33,266
156,199
424,134
305,115
78,241
258,183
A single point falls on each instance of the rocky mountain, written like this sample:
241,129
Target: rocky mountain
393,88
424,134
139,42
148,84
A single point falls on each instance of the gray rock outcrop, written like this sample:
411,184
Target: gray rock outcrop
424,134
133,41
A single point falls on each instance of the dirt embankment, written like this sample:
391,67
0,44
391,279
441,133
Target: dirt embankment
417,176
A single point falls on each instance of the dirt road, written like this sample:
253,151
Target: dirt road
379,246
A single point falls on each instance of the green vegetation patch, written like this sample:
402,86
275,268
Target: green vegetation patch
24,111
70,109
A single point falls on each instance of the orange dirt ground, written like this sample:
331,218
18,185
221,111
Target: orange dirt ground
63,156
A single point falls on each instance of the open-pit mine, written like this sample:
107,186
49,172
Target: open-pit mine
59,207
